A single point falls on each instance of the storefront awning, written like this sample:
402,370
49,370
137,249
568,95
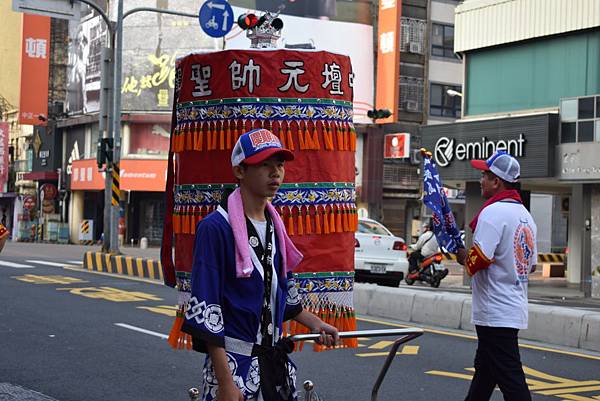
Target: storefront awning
136,175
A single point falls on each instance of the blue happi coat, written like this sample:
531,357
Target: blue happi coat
225,310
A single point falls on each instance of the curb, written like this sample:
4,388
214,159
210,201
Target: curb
122,264
550,324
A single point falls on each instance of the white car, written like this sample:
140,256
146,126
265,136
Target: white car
379,256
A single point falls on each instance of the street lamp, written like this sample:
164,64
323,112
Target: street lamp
452,93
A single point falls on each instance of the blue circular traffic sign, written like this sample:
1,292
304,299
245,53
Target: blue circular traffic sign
216,18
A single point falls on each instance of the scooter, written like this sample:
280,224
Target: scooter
430,271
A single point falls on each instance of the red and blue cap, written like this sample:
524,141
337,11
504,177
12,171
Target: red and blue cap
501,164
256,146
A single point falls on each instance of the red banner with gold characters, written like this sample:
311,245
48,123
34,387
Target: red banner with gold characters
305,99
4,131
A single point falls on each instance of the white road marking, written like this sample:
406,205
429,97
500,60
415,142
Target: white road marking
48,263
75,262
15,265
140,330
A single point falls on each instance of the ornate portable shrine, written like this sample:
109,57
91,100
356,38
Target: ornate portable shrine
303,97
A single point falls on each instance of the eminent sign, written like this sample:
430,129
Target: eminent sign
447,149
531,139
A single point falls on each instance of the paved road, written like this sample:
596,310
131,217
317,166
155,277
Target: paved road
73,335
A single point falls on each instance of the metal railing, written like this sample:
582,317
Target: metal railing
310,394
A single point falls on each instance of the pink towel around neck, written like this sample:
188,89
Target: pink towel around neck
291,256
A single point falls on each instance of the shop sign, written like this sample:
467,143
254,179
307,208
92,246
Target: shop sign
447,149
397,146
532,139
578,161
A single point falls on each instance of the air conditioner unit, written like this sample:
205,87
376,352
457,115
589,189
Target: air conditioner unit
415,47
412,106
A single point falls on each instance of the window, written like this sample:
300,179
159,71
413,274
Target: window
568,132
412,35
371,227
411,94
442,104
585,131
442,41
579,119
586,108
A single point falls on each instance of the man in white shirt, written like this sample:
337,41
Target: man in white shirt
502,256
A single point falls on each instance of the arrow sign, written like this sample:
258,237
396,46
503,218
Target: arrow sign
212,5
216,18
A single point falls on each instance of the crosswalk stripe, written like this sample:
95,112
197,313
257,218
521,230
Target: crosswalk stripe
48,263
15,265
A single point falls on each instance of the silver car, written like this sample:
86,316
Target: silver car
379,256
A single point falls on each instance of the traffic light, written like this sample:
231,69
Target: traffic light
104,151
251,21
247,21
377,114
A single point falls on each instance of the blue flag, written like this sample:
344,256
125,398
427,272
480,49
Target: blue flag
444,225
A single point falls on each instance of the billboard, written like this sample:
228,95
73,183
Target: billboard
4,127
151,44
86,40
351,39
35,65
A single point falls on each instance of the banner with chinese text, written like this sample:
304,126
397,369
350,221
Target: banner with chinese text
388,58
35,65
4,127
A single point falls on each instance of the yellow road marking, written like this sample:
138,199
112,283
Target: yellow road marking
575,397
410,350
569,390
111,294
35,279
381,345
447,333
406,350
162,309
450,374
545,376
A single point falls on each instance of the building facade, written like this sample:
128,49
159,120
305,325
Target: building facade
532,88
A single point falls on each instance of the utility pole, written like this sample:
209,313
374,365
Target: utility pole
105,128
115,179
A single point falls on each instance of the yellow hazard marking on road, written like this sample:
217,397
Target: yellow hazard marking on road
119,262
139,262
99,261
111,294
89,260
129,264
406,350
34,279
381,345
161,309
544,384
451,334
